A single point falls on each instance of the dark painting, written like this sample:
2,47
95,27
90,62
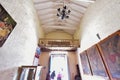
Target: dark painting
96,62
7,24
85,63
111,53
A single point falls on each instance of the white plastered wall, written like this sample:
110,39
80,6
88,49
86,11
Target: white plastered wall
102,17
19,48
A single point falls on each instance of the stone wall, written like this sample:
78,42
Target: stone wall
19,48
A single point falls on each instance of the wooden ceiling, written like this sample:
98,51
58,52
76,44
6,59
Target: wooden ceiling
47,12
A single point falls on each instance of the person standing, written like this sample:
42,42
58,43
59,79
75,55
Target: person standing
59,76
52,75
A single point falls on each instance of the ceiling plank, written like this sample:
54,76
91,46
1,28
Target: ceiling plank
48,5
44,21
42,7
72,25
76,10
46,16
76,7
76,15
41,2
45,12
78,3
85,1
59,27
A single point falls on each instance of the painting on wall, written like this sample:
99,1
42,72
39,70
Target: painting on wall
85,63
96,62
111,53
27,73
7,24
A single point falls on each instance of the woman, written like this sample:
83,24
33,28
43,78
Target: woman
59,76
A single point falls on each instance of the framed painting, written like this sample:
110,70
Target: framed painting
85,63
28,72
96,62
7,24
111,53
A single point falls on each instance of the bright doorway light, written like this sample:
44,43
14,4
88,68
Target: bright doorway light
59,64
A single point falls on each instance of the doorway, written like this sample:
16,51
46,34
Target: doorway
59,64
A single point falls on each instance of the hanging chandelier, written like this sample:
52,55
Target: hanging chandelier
63,13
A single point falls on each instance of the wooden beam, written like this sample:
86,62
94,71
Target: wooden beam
41,2
59,27
78,4
76,10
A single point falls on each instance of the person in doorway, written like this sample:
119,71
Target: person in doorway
59,76
52,75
